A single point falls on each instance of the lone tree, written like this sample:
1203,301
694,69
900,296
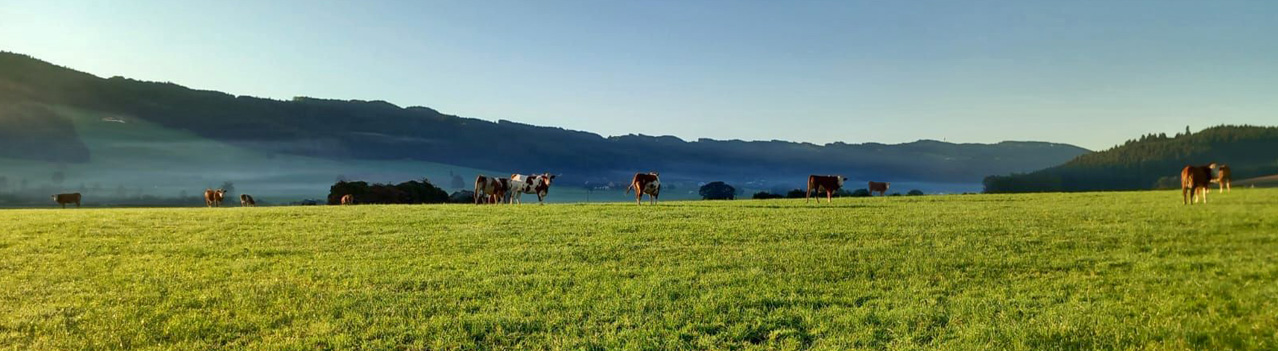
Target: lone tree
718,191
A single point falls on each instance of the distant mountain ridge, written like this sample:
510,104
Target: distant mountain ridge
1153,161
382,131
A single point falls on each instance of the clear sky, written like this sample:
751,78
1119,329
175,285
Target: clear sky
1090,73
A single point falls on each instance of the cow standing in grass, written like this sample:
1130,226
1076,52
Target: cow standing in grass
1224,179
246,200
64,199
490,190
213,197
1194,183
827,183
530,184
880,187
348,199
645,183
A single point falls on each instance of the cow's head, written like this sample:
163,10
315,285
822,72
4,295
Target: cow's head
55,197
546,178
841,179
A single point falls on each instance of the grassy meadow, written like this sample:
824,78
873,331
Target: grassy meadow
1084,271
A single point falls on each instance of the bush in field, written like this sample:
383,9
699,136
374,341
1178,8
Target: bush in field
915,192
718,191
763,195
462,197
410,192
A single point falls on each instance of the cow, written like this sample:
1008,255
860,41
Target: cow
490,190
348,199
1194,181
246,200
827,183
645,183
530,184
1224,179
213,198
64,199
880,187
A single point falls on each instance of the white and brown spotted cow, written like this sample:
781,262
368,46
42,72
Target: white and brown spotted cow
645,183
490,190
213,197
247,200
530,184
824,183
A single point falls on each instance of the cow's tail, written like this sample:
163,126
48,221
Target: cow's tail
632,186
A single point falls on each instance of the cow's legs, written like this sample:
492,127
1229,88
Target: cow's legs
639,196
1184,195
807,197
829,196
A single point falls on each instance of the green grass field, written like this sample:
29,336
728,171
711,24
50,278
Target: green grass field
1129,271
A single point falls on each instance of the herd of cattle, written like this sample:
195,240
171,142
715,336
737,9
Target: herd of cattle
1194,181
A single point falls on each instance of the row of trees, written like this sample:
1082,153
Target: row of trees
1153,161
410,192
723,191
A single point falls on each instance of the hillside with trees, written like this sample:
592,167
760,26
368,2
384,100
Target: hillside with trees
1153,161
376,130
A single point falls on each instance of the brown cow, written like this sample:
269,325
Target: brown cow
213,198
348,199
827,183
64,199
1224,179
1194,181
645,183
246,200
880,187
492,190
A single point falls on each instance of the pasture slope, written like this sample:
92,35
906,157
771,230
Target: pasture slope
1080,271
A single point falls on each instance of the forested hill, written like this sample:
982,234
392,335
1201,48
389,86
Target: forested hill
379,130
1154,161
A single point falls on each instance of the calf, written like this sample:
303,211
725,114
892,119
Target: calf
645,183
213,198
246,200
881,188
1224,179
64,199
827,183
348,199
1194,181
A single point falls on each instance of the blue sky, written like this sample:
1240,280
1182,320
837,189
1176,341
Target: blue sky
1090,73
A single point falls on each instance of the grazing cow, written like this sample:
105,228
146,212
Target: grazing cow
64,199
491,190
530,184
246,200
880,187
213,198
348,199
1194,181
645,183
827,183
1224,179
